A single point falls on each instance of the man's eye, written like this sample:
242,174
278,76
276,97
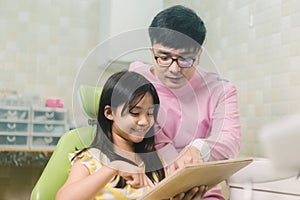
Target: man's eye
164,58
185,59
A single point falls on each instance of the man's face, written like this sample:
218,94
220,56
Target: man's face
174,76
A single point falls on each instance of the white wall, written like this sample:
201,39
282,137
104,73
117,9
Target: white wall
131,19
43,44
256,45
132,14
262,59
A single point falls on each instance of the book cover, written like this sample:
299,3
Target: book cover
192,175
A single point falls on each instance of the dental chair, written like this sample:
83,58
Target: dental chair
57,169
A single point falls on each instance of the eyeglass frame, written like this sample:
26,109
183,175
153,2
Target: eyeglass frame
173,59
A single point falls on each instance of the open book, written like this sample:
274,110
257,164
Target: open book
209,173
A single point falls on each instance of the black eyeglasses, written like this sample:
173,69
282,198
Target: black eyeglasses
166,61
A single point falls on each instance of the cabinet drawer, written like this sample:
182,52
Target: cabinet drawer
49,128
13,141
43,142
48,115
13,127
14,114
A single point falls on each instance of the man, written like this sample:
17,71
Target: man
199,116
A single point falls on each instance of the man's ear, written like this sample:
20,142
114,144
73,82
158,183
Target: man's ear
108,112
200,51
198,57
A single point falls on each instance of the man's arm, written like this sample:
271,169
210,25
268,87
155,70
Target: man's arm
225,137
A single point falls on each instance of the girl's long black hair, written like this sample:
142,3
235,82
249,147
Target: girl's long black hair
127,88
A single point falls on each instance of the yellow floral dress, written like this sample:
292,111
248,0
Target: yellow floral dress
94,159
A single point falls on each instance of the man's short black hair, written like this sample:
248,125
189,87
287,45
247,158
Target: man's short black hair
177,27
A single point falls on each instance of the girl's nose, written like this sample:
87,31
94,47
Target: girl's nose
144,120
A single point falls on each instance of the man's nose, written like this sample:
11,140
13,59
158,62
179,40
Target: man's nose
174,67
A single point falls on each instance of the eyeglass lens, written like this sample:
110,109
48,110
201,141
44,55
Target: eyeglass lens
182,62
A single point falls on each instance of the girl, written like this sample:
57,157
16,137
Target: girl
121,162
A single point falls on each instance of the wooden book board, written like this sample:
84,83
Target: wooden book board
192,175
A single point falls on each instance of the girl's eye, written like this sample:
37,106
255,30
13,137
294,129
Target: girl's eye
134,113
150,113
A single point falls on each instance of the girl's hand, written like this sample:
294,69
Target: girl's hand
134,176
136,180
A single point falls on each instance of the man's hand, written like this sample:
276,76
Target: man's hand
188,155
194,193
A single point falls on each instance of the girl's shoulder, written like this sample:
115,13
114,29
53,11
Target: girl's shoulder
99,155
92,158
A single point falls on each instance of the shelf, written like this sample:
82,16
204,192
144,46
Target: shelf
24,157
24,150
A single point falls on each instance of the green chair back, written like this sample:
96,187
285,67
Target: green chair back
57,169
90,97
58,166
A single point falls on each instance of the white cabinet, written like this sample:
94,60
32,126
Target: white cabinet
14,126
26,127
262,180
48,124
285,189
241,193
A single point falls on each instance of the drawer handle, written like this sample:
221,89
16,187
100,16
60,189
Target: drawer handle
49,115
48,140
11,126
11,113
11,139
23,115
49,127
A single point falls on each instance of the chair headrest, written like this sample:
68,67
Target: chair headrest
90,97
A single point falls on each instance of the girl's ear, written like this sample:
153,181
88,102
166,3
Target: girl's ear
108,112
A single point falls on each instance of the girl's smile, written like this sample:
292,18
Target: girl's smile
132,125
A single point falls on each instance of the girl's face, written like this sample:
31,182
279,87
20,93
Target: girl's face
131,126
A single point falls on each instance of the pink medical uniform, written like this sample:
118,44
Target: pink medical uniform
205,109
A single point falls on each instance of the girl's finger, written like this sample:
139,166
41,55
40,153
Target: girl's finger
149,182
172,168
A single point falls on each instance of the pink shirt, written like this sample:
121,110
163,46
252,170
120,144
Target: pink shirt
205,109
